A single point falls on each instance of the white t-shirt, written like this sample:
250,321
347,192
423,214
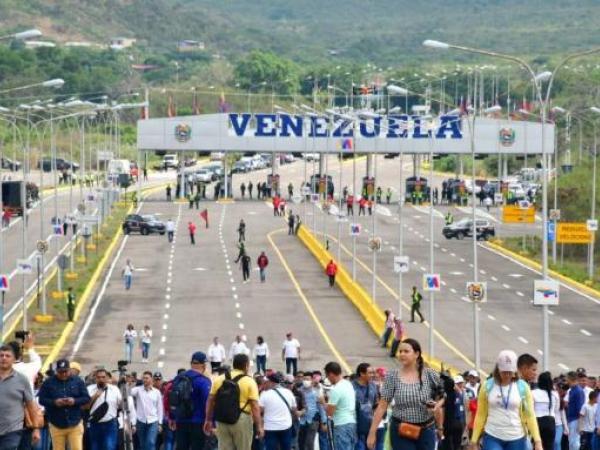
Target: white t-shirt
290,347
130,335
261,350
238,348
170,225
587,414
146,336
541,403
504,405
113,398
277,416
216,353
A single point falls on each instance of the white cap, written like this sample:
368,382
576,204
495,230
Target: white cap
458,379
473,373
507,361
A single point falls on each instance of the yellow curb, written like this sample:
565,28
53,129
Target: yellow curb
535,265
57,295
40,318
91,246
80,259
225,201
71,275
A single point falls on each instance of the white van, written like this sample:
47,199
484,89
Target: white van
117,167
170,161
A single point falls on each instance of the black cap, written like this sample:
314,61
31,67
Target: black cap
275,377
157,375
63,364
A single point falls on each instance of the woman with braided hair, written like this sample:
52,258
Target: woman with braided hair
418,398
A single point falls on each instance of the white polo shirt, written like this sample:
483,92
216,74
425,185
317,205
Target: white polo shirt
290,348
277,416
113,398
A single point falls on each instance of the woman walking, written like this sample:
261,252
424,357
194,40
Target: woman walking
261,354
546,405
129,335
145,341
505,410
418,398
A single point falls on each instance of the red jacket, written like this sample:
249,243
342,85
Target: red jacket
349,200
331,269
262,261
362,202
192,228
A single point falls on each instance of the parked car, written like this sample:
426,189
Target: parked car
170,161
517,190
217,156
204,175
10,164
215,169
289,157
241,167
311,156
143,224
464,228
45,164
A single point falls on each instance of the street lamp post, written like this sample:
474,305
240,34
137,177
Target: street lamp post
537,79
593,209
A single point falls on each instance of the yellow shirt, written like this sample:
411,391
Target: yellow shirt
248,389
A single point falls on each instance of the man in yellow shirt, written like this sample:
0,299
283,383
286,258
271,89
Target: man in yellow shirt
234,421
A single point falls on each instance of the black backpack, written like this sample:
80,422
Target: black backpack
227,400
180,397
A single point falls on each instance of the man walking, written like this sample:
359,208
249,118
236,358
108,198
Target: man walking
245,262
149,412
262,262
233,405
127,274
366,401
216,354
241,231
103,426
278,406
192,231
290,353
190,410
341,407
17,396
70,304
170,226
243,190
238,347
250,187
398,336
291,223
389,327
416,298
62,396
331,271
168,189
576,400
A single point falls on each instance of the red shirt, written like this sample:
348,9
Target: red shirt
350,200
331,269
192,228
262,261
362,202
276,201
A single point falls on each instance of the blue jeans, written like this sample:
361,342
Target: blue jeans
344,436
596,442
103,435
380,438
168,436
145,349
574,438
263,275
492,443
425,442
278,440
10,441
558,436
128,351
323,441
44,443
261,363
385,337
146,434
127,281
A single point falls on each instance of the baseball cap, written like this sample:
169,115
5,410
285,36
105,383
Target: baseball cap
507,361
76,366
157,376
473,373
288,378
62,364
458,379
199,357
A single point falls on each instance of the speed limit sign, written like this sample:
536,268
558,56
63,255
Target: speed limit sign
42,246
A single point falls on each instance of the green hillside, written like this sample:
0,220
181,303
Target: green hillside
385,32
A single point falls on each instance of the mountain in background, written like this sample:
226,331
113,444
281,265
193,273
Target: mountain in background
384,32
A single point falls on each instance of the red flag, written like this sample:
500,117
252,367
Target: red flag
145,114
171,112
204,215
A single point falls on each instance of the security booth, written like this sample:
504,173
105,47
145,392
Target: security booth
416,190
368,187
318,184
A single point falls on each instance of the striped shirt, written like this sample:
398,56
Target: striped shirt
410,398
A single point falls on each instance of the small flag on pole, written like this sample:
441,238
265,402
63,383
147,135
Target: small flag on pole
171,112
204,215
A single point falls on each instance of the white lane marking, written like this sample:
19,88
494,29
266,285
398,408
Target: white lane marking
462,259
241,326
586,332
167,305
523,340
231,280
160,364
505,286
482,272
562,366
444,249
443,283
163,339
233,288
423,269
200,269
551,312
415,262
238,315
520,294
452,254
166,317
494,279
491,317
161,352
456,273
466,299
235,296
237,305
453,290
165,326
505,328
540,352
515,275
567,322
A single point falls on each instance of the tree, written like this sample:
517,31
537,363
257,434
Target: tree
266,69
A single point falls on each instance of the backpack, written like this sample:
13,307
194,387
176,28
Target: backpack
364,410
227,400
180,398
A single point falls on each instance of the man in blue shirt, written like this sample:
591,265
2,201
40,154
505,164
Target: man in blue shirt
314,415
189,434
367,396
62,396
575,403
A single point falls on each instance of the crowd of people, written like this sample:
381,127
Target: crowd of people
214,405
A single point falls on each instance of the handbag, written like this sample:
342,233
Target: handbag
34,417
409,431
98,414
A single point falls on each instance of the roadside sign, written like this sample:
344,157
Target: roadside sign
89,219
432,282
86,232
554,214
551,231
375,244
516,214
104,155
42,246
24,266
592,225
401,264
477,291
63,262
81,208
573,233
498,197
4,283
545,292
355,229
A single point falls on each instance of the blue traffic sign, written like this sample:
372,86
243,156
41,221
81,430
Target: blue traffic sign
551,231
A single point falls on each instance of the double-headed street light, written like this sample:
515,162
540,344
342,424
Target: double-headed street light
22,35
595,110
538,80
53,83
